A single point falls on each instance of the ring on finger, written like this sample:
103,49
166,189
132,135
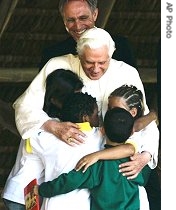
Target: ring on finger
70,140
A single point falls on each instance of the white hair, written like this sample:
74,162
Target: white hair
95,38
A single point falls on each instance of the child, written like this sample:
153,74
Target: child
56,157
108,188
27,167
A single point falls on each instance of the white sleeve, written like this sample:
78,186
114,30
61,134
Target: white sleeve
29,114
150,135
148,140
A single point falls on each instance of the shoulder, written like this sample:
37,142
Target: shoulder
66,57
121,65
122,73
43,140
65,62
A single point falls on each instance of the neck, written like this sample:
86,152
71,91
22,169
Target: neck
109,142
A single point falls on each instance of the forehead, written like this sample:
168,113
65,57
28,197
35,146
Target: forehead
116,101
75,8
96,54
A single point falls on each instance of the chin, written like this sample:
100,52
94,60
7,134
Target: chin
95,78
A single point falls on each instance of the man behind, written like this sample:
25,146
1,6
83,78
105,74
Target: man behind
78,16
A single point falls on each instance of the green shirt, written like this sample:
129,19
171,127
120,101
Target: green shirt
109,190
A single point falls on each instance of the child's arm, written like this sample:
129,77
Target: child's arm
117,152
143,121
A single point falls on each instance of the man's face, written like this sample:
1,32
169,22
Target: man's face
95,62
78,17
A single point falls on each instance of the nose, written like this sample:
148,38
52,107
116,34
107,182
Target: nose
96,67
77,24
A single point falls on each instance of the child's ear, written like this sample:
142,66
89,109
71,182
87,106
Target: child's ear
133,111
86,118
102,130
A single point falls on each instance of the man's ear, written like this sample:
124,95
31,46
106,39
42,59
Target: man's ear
95,14
133,111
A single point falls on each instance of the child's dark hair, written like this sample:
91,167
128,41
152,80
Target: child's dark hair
59,84
133,98
76,106
118,124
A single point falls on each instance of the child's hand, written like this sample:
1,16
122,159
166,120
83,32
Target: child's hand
86,161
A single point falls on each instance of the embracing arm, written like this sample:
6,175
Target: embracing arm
29,114
121,151
145,120
68,182
64,130
148,152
